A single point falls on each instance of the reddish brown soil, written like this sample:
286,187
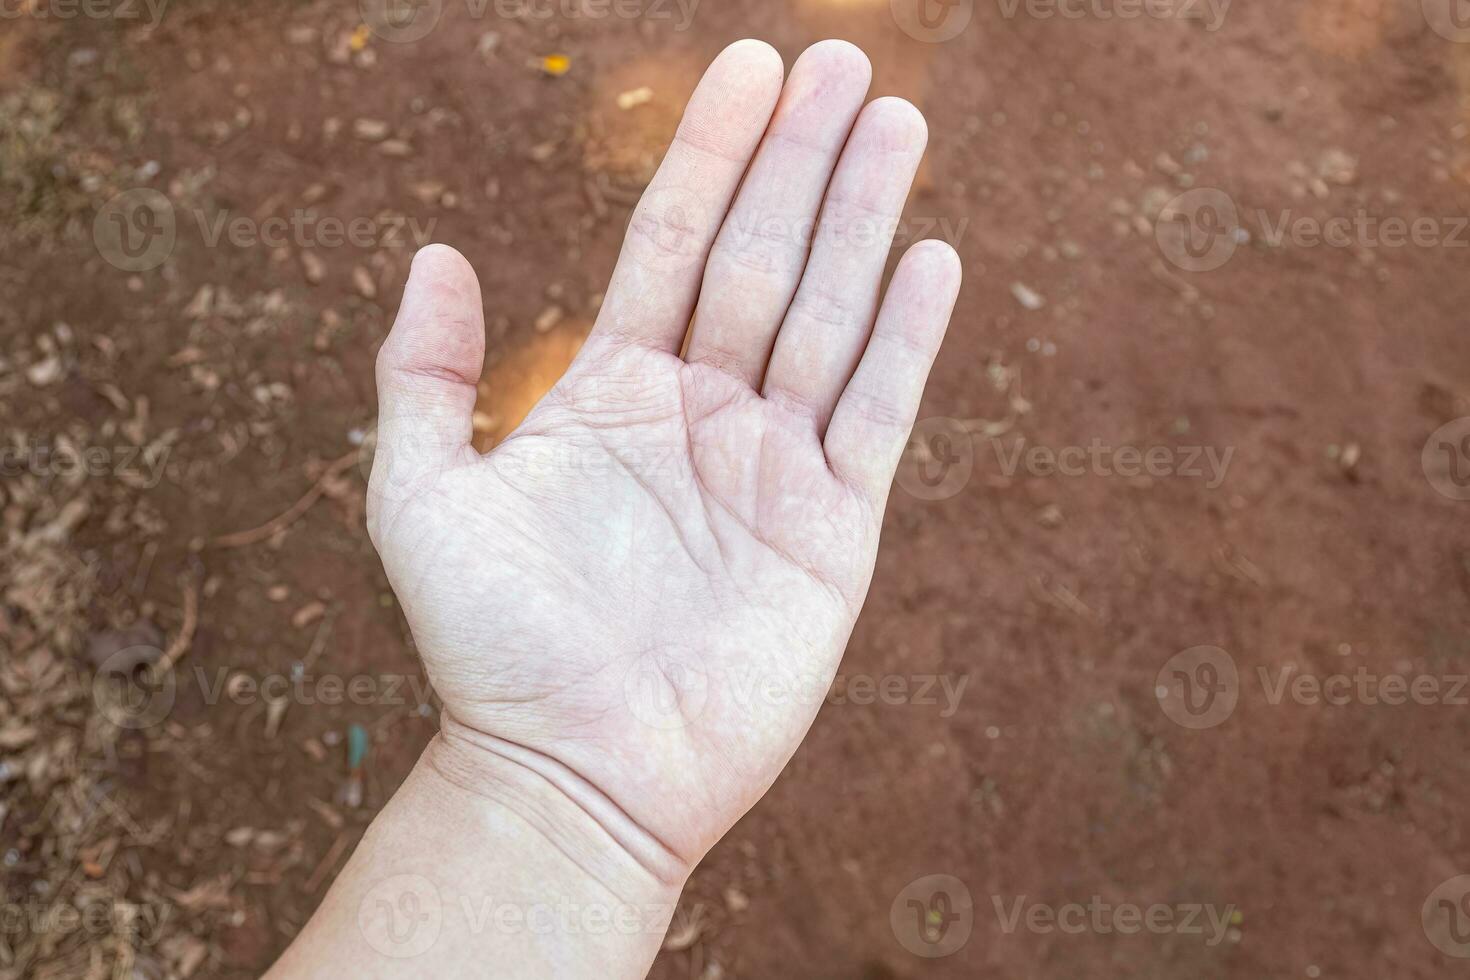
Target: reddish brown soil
1059,777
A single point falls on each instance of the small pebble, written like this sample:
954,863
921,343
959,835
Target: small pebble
1027,296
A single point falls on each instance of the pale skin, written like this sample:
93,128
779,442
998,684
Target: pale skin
631,607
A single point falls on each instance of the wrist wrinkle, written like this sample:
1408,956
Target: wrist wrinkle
511,774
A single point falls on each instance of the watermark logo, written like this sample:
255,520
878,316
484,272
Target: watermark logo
401,916
668,230
932,21
401,21
1198,688
933,916
664,692
939,459
129,692
1199,230
1446,917
1450,19
136,231
1446,459
401,458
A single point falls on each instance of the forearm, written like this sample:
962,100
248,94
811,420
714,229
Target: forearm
451,881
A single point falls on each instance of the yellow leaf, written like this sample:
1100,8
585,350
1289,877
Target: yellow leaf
556,64
360,37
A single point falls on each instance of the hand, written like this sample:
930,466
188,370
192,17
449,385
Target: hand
641,595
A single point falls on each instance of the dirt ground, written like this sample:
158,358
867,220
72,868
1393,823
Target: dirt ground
1295,518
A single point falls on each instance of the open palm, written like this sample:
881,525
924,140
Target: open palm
642,594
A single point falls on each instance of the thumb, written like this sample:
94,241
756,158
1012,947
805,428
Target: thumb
427,371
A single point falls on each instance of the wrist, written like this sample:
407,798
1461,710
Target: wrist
567,812
473,863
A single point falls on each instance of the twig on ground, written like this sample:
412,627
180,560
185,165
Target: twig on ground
291,515
185,637
333,855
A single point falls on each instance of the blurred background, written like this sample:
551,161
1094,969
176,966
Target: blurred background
1163,669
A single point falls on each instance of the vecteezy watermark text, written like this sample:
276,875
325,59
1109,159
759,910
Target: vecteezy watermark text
1209,12
307,229
134,465
1097,917
143,922
308,689
1200,687
942,691
941,458
1201,230
402,916
127,692
762,236
668,694
406,21
1362,686
1363,229
148,11
936,21
1097,458
137,230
